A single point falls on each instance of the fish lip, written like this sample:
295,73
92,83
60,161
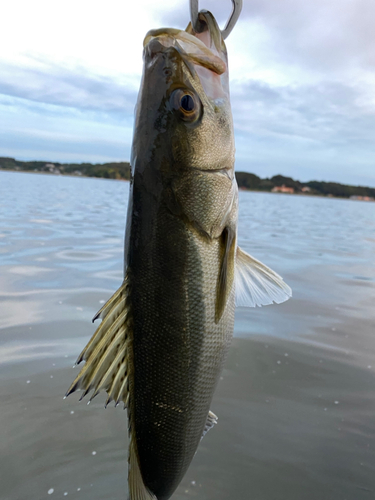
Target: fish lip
208,23
193,50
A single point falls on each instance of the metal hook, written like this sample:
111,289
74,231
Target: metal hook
233,18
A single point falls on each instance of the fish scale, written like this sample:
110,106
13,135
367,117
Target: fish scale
194,357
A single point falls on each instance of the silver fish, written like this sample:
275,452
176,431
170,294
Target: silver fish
165,333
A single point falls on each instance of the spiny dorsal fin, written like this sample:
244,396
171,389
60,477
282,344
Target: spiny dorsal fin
210,422
106,354
226,277
257,284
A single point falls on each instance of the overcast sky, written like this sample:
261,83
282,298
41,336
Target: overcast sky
302,81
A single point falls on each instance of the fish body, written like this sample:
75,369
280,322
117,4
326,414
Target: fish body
165,333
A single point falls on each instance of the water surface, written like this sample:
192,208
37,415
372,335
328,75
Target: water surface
296,402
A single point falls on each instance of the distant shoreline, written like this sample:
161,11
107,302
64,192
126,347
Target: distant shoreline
246,181
61,175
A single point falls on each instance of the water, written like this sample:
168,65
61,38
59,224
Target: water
296,401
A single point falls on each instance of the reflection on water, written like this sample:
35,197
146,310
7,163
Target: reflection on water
296,401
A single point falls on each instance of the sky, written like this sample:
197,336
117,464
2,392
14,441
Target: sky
302,77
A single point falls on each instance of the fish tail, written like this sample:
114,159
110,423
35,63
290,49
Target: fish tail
137,488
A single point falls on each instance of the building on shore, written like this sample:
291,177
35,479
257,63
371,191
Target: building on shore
362,198
51,167
283,189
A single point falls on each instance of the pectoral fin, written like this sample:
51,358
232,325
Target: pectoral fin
257,284
107,353
226,277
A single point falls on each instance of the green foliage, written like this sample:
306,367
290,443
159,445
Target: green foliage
279,180
247,181
341,190
119,170
266,185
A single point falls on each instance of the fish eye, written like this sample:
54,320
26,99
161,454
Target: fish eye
187,104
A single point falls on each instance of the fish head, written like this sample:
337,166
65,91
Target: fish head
184,135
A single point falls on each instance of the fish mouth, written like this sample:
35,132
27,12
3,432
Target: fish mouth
206,49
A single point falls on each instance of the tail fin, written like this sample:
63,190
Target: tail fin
137,488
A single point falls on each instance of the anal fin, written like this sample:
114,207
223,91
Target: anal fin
210,422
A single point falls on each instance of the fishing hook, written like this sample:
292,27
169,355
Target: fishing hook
233,18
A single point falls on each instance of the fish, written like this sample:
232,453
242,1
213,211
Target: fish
165,333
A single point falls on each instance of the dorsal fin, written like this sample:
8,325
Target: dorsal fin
107,353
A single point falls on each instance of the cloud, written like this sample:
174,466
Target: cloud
73,87
324,36
302,82
330,112
305,131
332,34
61,149
59,133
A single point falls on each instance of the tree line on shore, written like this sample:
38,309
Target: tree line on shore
245,180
